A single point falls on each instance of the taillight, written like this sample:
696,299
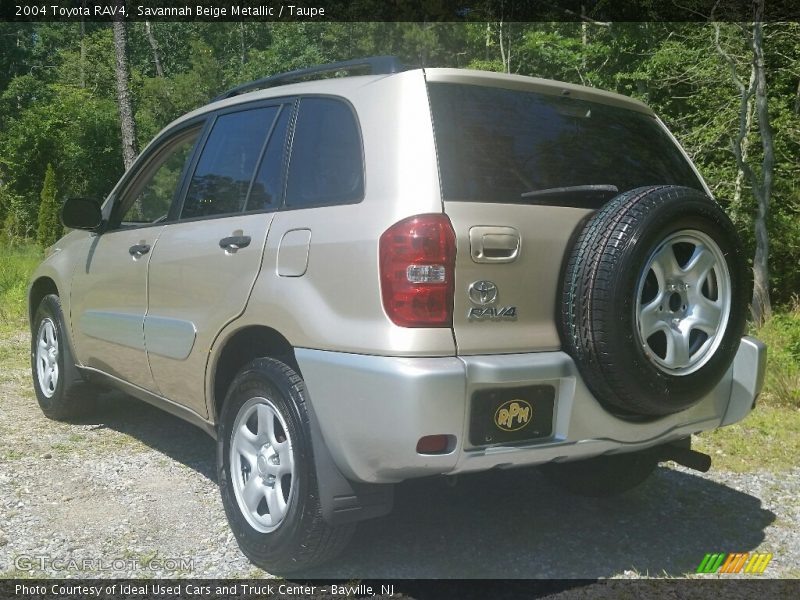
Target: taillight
417,262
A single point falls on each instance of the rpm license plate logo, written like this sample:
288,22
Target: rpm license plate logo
513,415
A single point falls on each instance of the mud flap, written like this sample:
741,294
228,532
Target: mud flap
344,501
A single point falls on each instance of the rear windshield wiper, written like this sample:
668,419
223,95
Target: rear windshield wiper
590,190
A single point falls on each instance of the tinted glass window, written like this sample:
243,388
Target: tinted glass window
223,174
150,196
267,186
495,145
325,167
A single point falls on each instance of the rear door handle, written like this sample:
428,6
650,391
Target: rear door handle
139,250
235,242
494,244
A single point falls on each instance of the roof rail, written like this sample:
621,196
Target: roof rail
377,65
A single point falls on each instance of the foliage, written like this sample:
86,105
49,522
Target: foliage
50,228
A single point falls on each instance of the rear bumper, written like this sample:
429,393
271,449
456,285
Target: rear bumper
372,410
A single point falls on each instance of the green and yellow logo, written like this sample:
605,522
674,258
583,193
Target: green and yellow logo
736,562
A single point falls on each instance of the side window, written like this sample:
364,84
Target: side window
223,174
150,196
326,164
267,186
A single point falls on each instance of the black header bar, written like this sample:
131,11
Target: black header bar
603,11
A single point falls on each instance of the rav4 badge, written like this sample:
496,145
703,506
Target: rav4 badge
485,292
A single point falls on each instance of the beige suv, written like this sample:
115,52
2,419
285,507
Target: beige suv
353,281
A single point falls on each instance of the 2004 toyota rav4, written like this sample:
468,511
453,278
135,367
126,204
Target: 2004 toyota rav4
354,281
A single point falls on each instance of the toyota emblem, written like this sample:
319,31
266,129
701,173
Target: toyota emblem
483,292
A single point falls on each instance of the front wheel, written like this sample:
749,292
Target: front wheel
267,475
60,390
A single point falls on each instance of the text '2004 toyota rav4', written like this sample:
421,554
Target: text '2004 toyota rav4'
353,281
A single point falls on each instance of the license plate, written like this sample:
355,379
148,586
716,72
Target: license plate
511,415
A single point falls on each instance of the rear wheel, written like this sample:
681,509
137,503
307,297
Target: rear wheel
267,475
60,390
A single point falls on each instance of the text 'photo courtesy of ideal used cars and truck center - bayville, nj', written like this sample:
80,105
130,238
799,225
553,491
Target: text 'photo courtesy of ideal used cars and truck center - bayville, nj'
396,300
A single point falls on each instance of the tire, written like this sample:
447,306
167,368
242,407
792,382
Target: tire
62,393
653,300
277,520
602,476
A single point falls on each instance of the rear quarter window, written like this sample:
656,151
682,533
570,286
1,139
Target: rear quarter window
326,165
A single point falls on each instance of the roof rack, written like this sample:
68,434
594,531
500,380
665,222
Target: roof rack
377,65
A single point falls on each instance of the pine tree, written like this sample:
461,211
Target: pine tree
50,228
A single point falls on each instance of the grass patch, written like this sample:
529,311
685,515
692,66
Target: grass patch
17,263
11,454
62,449
781,334
769,438
14,350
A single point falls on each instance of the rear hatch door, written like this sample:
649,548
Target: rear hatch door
521,166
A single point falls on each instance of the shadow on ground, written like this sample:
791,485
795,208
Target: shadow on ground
506,524
160,430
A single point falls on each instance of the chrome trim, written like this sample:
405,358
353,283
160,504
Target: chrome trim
482,292
483,238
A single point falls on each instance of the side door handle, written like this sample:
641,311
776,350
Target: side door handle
234,242
139,250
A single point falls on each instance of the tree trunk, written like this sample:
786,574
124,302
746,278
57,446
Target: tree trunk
241,40
83,49
505,57
797,99
737,187
127,122
584,36
762,307
154,47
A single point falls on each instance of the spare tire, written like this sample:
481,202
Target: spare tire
653,300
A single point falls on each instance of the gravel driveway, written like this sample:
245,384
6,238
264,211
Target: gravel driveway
133,484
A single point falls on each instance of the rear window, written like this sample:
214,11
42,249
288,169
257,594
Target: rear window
222,177
494,145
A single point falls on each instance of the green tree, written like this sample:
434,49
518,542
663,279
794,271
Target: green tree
50,228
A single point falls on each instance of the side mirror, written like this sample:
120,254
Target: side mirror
82,213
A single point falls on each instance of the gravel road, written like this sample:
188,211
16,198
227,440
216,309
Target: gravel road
133,485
